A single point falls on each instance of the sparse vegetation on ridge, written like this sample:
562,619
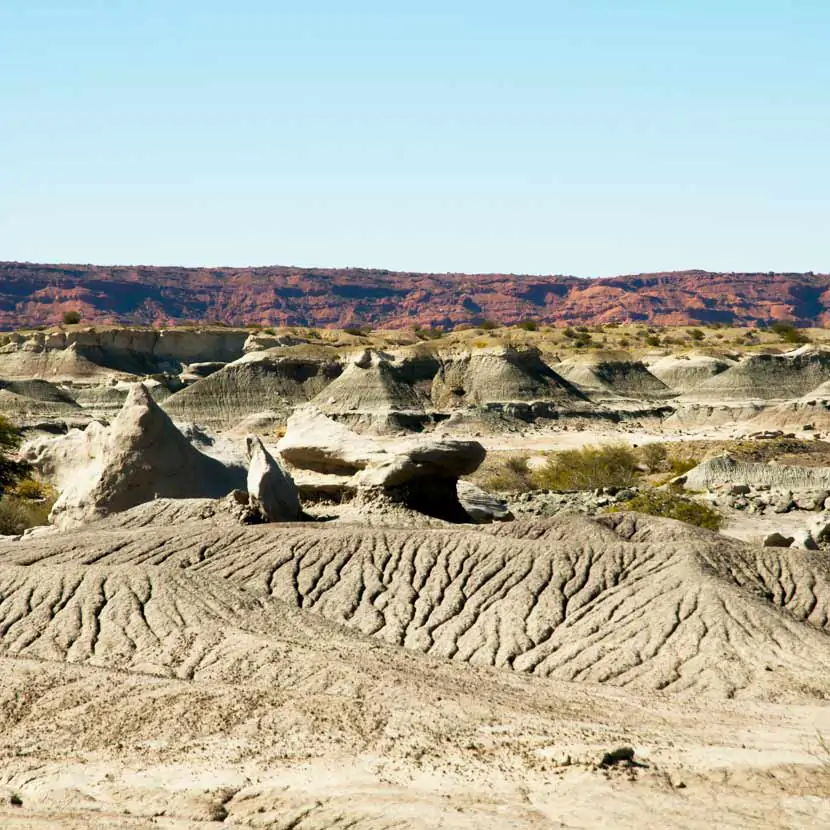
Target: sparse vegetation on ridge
670,505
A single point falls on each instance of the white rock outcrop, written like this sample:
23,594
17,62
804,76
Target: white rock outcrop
329,458
725,470
319,444
142,456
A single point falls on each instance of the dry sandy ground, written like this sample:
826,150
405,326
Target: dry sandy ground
164,670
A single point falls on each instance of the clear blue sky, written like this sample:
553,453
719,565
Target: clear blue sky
591,137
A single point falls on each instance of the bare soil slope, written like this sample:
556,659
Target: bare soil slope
166,667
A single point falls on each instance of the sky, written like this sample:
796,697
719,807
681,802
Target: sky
593,138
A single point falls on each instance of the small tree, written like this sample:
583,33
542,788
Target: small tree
653,456
11,470
696,335
71,318
487,325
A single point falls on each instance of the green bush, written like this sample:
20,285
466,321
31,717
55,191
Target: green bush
429,334
679,466
788,332
487,325
614,465
652,340
16,515
697,335
31,490
672,506
653,456
527,325
71,318
506,474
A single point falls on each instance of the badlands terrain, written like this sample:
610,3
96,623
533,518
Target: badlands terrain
307,578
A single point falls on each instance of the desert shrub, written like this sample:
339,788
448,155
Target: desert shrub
487,325
697,335
569,333
31,490
624,342
355,331
653,456
652,340
788,333
16,515
71,318
506,474
679,466
527,325
670,505
614,465
429,334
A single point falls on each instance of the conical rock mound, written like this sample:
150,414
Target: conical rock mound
144,457
501,375
369,383
258,382
768,377
685,372
612,374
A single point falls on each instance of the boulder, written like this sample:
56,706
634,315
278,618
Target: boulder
812,500
777,540
783,502
482,507
271,485
820,528
804,540
141,457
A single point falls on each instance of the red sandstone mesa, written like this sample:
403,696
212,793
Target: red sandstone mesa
32,294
